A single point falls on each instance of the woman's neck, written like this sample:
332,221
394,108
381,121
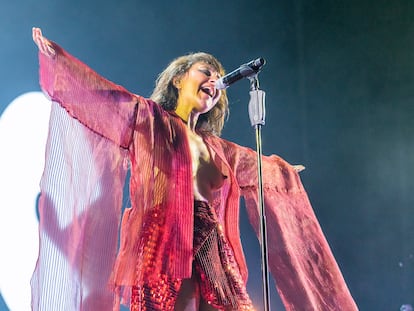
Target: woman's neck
189,117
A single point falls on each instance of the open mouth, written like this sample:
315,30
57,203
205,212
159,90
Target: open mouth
208,91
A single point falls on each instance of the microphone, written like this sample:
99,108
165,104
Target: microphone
244,71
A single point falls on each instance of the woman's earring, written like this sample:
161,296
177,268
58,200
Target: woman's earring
176,83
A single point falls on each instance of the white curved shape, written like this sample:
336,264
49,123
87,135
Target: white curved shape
23,134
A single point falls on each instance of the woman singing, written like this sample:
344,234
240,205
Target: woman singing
179,243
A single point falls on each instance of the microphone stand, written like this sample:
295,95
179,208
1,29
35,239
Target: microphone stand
257,120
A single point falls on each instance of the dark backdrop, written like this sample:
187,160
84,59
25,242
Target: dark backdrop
339,96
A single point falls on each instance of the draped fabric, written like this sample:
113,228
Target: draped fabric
300,260
81,196
96,131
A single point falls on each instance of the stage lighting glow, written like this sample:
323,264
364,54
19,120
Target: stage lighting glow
23,133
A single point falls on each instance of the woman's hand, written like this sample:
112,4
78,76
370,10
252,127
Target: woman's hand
44,45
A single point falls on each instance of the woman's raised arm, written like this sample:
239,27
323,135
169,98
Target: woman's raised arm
101,105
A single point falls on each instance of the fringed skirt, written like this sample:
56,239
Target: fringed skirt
214,266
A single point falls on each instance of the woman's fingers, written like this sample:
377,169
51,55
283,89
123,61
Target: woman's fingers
43,44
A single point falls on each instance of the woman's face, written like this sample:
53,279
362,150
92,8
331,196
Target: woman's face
196,88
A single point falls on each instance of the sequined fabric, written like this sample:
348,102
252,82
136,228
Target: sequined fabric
214,266
220,281
157,294
157,291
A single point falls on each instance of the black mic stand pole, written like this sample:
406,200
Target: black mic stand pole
257,120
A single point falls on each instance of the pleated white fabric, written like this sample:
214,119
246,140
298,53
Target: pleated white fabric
79,213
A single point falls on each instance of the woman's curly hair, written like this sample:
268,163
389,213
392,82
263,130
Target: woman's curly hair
166,94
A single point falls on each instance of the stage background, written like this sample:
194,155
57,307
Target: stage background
339,83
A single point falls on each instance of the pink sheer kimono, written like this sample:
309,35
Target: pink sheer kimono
89,259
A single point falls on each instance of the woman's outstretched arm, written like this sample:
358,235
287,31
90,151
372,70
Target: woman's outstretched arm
101,105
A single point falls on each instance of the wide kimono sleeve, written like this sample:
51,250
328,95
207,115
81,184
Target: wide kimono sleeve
305,271
102,106
82,187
